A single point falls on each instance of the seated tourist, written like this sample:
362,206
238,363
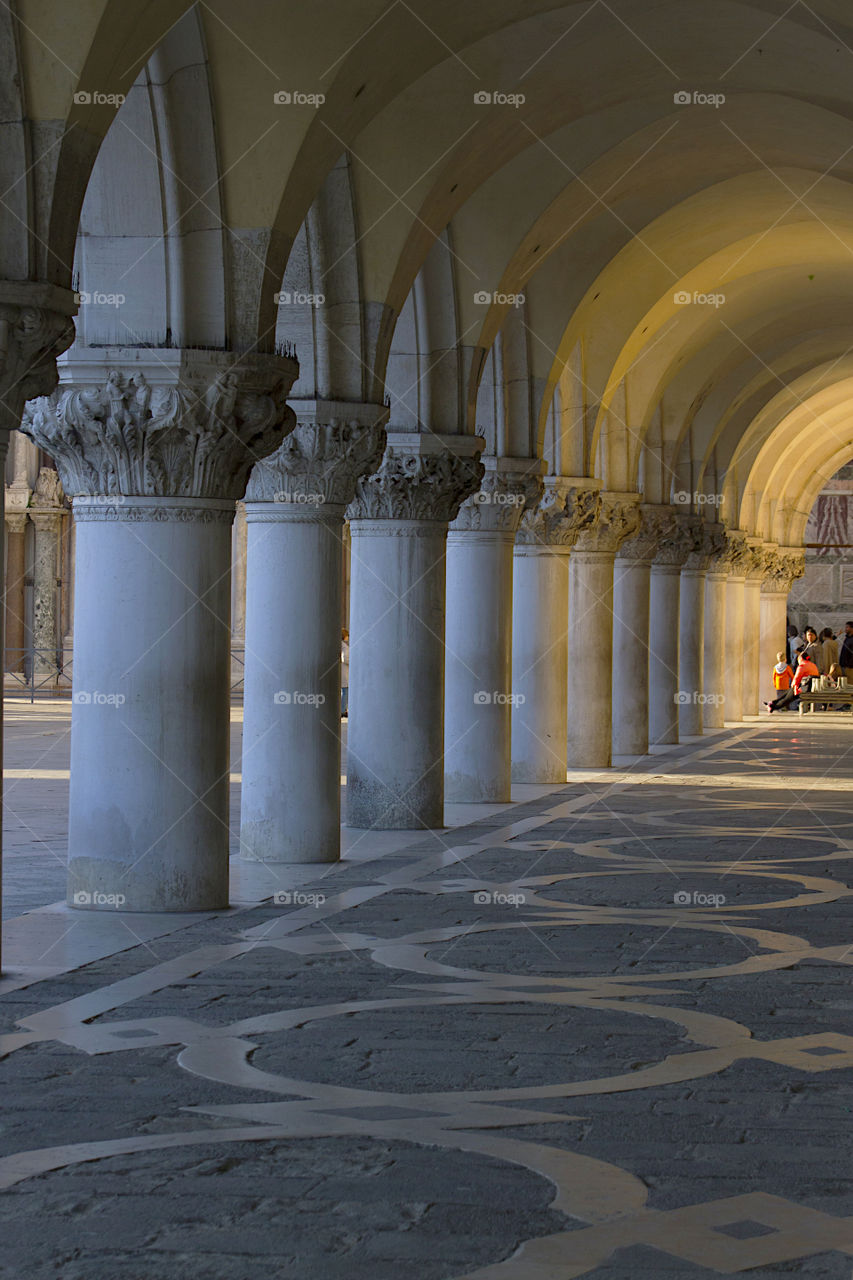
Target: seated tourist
805,673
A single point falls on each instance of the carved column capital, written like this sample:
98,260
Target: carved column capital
422,479
757,561
782,567
188,424
562,513
321,462
735,555
16,520
503,497
618,518
679,533
32,334
47,519
664,536
710,542
17,499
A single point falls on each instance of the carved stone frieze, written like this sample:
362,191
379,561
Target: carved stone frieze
161,512
197,434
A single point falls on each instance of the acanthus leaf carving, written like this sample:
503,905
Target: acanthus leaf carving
500,502
416,486
618,518
735,555
197,435
320,462
562,513
783,566
709,546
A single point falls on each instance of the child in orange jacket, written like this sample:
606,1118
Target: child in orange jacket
782,674
806,670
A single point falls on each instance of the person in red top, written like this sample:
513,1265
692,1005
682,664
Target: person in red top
806,670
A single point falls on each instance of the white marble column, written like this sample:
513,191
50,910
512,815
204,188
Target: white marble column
691,642
398,524
35,328
66,594
733,662
631,575
148,812
295,504
478,661
752,632
691,651
239,541
591,631
664,596
540,628
713,707
675,543
783,566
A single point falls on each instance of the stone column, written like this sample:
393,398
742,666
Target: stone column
239,540
295,503
713,708
540,641
591,630
155,462
782,566
46,514
756,569
631,636
478,633
35,328
739,559
675,543
398,525
67,592
17,500
16,572
691,640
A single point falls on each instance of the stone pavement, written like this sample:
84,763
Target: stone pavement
604,1032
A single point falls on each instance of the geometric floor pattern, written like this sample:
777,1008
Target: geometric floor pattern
608,1033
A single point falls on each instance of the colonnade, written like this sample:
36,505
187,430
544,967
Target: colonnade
503,626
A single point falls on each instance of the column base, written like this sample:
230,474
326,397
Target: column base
98,884
373,807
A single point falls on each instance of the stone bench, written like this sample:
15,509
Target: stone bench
829,696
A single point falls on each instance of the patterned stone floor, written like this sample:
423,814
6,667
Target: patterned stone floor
607,1033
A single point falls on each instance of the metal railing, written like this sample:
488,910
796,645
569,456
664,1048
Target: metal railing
46,673
238,670
38,673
